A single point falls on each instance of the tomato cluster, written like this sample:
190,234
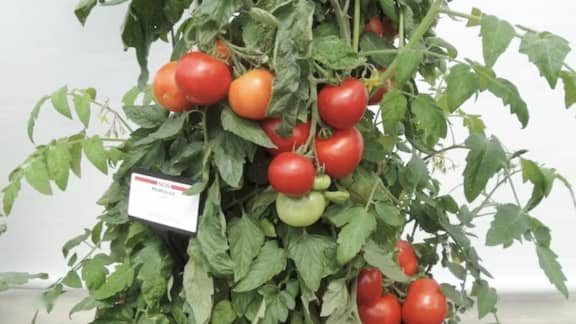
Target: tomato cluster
424,302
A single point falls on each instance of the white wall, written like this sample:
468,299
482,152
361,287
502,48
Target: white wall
44,48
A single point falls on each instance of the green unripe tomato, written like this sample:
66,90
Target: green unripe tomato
322,182
337,197
300,211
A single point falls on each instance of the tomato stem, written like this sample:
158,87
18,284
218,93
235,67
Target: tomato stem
356,38
402,31
341,20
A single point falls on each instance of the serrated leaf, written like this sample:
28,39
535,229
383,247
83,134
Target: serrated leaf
385,261
335,297
34,116
408,62
415,174
94,271
393,108
74,242
541,178
58,163
36,174
229,157
540,232
333,52
146,116
569,80
9,194
85,304
270,262
83,9
429,118
373,42
223,313
354,235
72,280
96,153
82,101
388,214
49,296
311,255
279,303
474,123
548,52
462,83
549,263
59,100
246,239
509,224
168,130
496,37
487,298
246,129
197,284
485,159
119,280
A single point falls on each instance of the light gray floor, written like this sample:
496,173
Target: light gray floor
18,306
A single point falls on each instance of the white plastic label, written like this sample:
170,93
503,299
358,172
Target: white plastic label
162,201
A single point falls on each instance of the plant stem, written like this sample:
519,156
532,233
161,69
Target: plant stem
509,178
458,14
372,193
342,20
402,31
356,38
446,149
376,52
116,114
417,35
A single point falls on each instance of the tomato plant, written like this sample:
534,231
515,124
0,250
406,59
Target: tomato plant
299,135
425,303
369,286
385,310
250,94
340,153
291,174
275,242
342,106
203,79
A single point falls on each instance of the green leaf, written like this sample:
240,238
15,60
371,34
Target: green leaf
548,52
198,284
74,242
223,313
168,130
9,194
462,83
476,18
229,156
496,37
58,163
415,174
246,239
96,153
354,235
393,108
59,100
34,116
72,280
76,153
372,42
173,9
485,159
389,214
9,279
408,62
246,129
94,272
209,18
429,118
334,53
541,178
540,232
474,124
263,16
457,296
385,261
549,263
279,303
82,101
487,299
117,282
36,174
569,80
312,256
335,297
85,304
509,224
49,296
82,10
150,116
270,262
212,234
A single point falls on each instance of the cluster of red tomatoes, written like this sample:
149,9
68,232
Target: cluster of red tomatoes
199,79
424,303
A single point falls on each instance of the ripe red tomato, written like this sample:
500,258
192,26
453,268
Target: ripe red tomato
291,174
341,153
166,92
369,286
250,94
425,303
344,105
374,25
299,136
385,310
407,258
202,78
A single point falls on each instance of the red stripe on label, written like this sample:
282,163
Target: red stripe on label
146,180
179,188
